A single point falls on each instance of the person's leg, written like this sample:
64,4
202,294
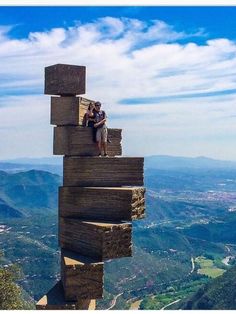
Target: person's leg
99,141
94,134
104,140
99,147
105,148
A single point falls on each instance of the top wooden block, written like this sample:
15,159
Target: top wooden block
65,79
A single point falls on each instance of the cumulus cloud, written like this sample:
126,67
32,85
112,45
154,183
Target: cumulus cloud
126,59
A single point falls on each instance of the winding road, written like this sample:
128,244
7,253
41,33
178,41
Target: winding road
167,305
227,258
113,303
193,265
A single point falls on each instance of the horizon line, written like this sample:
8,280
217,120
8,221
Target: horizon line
11,160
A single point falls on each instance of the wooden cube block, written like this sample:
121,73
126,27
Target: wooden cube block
78,141
68,110
101,240
82,277
108,172
54,300
65,79
102,203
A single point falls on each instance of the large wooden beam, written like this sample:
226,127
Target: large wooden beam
68,110
82,277
65,79
78,141
54,300
101,240
97,171
102,203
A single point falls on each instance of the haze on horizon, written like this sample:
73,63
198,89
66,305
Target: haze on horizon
167,79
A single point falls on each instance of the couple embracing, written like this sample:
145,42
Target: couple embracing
96,118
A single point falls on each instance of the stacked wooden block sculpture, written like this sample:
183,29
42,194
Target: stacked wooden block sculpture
98,200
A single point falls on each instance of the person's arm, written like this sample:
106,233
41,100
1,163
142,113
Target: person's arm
102,121
99,123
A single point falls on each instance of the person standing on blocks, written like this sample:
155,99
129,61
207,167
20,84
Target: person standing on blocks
100,124
88,120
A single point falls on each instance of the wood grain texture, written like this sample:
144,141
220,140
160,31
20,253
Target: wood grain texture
82,277
65,79
78,141
103,172
100,240
54,300
69,110
102,203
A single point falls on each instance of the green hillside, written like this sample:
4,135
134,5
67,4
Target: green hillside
26,193
223,230
184,223
219,294
7,211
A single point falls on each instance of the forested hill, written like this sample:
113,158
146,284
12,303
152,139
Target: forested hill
218,294
25,193
185,240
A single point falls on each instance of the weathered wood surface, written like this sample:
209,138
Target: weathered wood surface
82,277
97,171
65,79
69,110
78,141
54,300
102,203
103,241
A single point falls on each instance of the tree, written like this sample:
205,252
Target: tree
10,293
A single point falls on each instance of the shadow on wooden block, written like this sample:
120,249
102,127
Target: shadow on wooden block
103,172
69,110
78,141
100,240
54,300
65,79
102,203
82,277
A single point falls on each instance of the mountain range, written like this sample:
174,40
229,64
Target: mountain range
162,162
184,163
187,215
27,193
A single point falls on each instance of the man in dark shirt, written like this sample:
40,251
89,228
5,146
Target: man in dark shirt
100,124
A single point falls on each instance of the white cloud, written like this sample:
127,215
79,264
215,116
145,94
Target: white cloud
125,58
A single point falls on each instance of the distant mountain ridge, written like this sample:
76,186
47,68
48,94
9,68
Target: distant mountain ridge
171,162
161,162
12,167
27,193
35,161
7,211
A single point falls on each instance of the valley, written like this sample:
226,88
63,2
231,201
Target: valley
187,238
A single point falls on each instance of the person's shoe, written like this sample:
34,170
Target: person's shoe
109,141
105,155
99,155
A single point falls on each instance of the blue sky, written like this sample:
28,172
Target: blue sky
218,21
166,75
